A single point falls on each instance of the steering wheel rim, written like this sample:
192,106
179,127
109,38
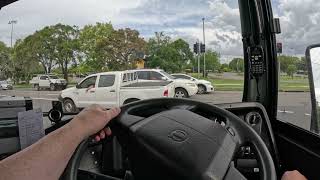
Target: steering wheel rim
242,131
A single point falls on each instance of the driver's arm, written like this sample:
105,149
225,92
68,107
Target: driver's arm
48,158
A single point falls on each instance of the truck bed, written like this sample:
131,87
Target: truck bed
148,84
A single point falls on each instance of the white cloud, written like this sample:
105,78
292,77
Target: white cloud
179,18
35,14
300,24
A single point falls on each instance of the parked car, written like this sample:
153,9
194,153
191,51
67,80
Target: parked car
4,85
47,81
183,88
112,89
203,85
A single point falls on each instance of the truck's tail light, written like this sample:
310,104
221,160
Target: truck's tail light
166,93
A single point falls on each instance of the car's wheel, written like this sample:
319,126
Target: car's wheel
181,93
37,87
201,89
69,106
52,87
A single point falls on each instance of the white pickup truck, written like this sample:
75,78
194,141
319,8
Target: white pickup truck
112,89
48,81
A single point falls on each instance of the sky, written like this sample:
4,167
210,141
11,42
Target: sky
177,18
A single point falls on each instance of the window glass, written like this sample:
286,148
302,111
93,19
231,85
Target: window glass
155,76
124,79
129,76
53,77
143,75
298,30
179,76
135,76
167,75
43,77
106,80
91,81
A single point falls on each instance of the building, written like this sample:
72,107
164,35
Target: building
140,63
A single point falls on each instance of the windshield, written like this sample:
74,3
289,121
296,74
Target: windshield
115,52
118,36
168,75
53,77
202,40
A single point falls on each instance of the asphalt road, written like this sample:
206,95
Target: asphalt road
293,107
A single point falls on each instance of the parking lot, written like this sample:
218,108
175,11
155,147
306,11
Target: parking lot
294,107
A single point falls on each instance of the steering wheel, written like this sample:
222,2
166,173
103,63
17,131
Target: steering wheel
170,138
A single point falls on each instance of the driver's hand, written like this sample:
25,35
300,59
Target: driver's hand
92,120
293,175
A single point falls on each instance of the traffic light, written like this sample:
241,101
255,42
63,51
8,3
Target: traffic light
196,48
279,48
203,48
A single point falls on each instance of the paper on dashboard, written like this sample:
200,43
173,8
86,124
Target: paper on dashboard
30,127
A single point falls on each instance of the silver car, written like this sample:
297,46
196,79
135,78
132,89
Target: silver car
4,85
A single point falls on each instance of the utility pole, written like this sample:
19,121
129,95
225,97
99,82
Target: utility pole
204,53
199,58
12,22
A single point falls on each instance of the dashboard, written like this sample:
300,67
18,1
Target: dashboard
253,114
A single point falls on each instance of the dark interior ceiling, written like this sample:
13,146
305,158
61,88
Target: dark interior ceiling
6,2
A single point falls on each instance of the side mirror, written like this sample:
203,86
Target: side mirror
78,86
193,79
313,62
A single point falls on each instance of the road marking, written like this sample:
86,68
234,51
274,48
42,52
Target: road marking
307,114
285,111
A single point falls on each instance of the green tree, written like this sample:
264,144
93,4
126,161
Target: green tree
171,56
212,61
302,64
50,46
122,48
65,46
291,70
5,61
156,48
237,65
225,68
91,36
39,47
286,61
24,63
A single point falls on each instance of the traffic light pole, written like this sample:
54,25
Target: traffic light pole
204,53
